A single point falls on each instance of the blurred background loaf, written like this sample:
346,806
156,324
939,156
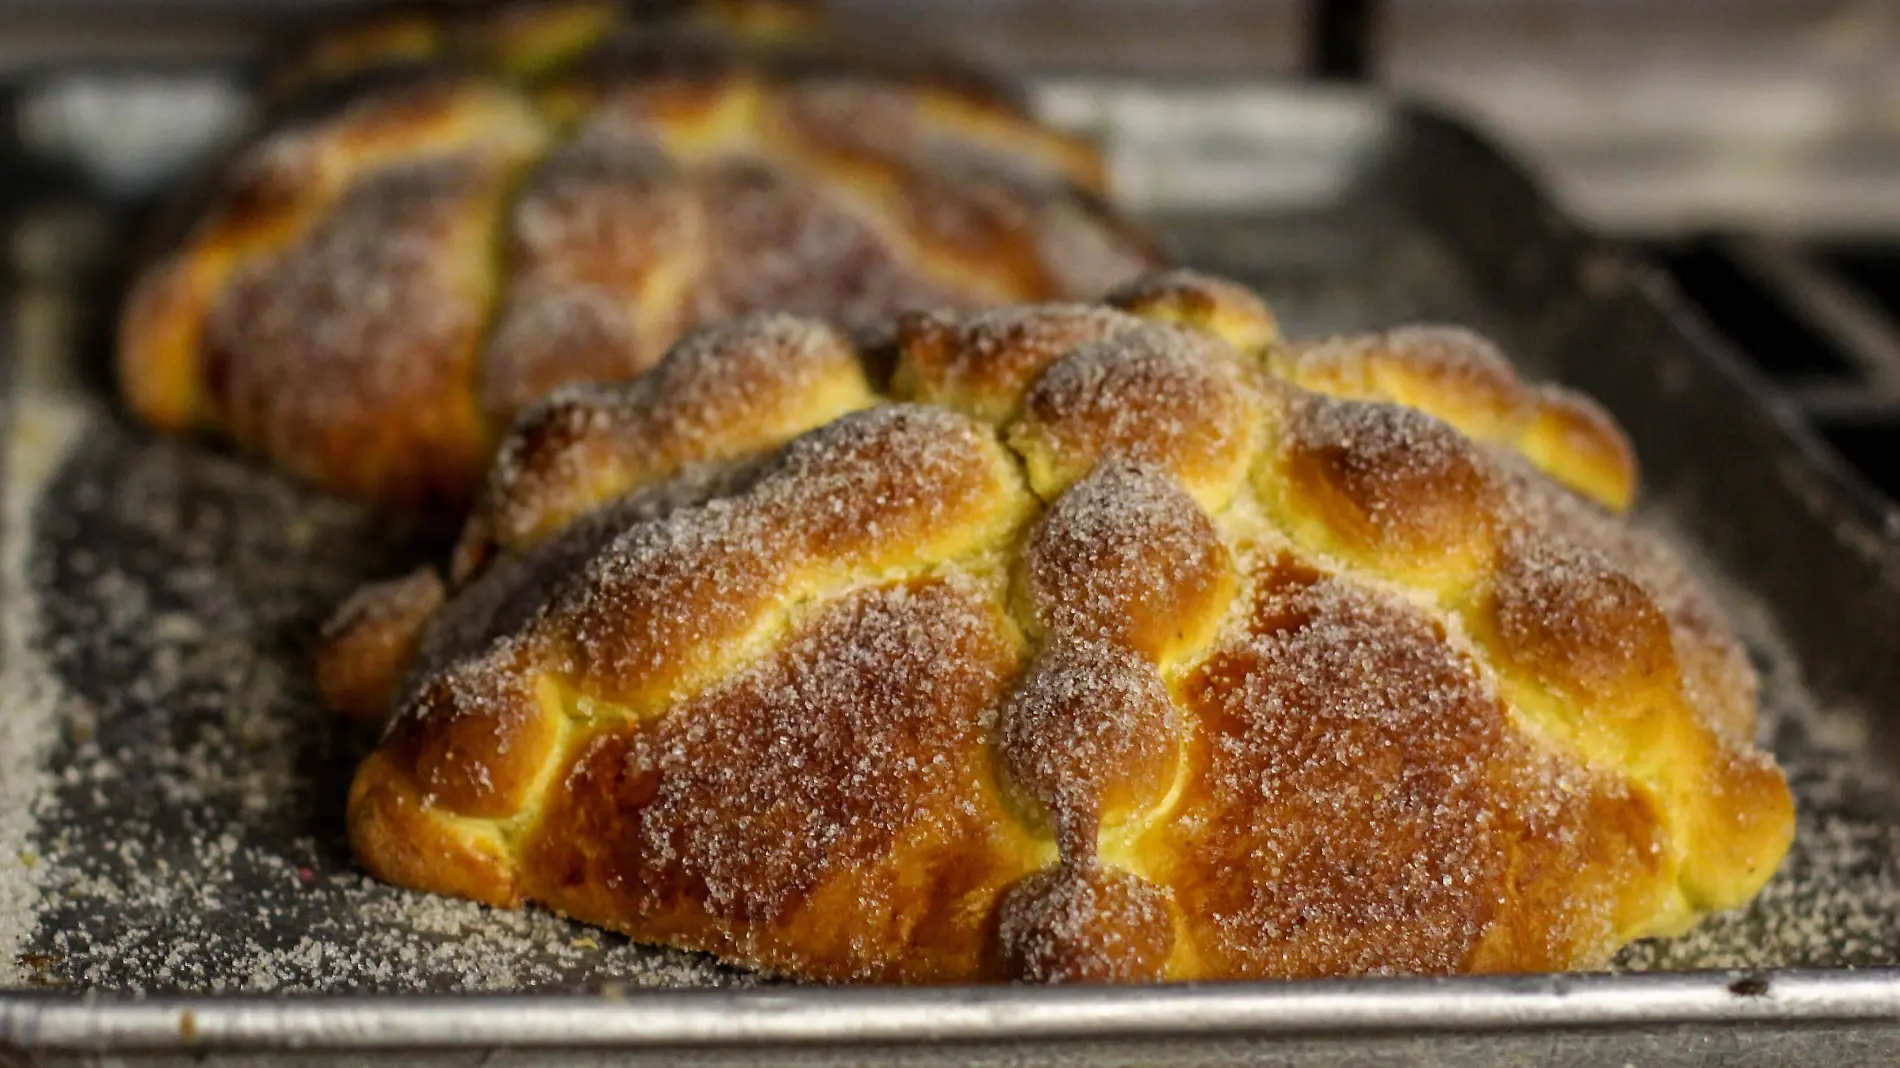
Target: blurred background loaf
449,211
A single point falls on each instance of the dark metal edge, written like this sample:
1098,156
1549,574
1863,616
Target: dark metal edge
1700,397
1860,498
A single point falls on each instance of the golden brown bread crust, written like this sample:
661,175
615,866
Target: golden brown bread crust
520,38
1138,653
370,641
451,216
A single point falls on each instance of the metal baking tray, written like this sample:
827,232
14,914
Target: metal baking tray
174,883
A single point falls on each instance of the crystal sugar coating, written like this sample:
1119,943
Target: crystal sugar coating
1100,645
446,218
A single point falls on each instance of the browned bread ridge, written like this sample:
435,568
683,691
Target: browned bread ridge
1106,642
448,216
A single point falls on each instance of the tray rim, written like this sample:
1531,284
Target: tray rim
639,1018
912,1016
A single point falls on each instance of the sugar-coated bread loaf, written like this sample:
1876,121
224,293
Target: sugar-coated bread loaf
1069,643
444,217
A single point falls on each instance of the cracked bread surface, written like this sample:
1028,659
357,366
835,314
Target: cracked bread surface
446,215
1110,643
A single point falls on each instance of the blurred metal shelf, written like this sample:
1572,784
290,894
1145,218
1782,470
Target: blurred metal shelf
1765,115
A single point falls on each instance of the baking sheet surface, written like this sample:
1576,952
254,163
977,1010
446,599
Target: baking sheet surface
170,795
